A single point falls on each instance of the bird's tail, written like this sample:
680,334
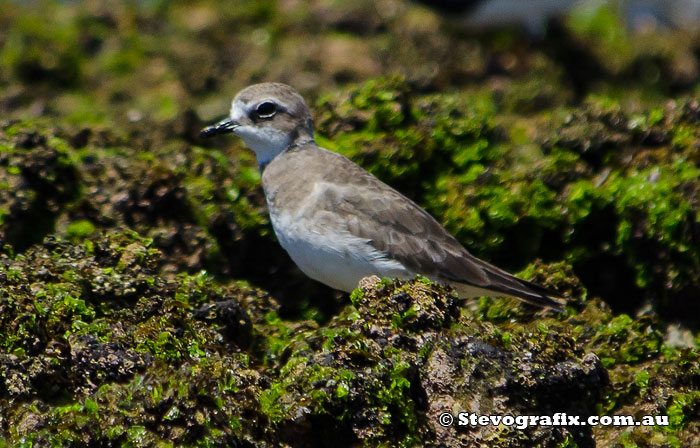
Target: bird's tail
501,283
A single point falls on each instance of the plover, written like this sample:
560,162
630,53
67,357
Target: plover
338,222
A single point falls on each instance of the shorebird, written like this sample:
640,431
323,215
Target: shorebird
338,222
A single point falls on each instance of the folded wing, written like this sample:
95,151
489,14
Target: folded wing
400,229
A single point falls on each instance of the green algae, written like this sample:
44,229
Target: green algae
174,388
80,229
99,345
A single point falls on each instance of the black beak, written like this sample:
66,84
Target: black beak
223,127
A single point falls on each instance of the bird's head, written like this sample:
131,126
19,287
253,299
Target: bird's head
269,117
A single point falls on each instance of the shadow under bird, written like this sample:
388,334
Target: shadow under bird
338,222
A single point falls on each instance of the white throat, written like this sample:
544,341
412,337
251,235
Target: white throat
265,142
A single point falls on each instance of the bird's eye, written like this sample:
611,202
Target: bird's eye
266,110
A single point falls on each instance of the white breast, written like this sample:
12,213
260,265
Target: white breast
328,253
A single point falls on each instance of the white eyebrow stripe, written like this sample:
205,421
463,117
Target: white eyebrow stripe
237,111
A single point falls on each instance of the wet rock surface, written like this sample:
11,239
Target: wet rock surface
103,349
91,324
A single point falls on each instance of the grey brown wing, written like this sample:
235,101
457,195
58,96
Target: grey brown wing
399,228
395,225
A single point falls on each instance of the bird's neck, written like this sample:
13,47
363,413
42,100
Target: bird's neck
266,151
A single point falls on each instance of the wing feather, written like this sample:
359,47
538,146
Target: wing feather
397,227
